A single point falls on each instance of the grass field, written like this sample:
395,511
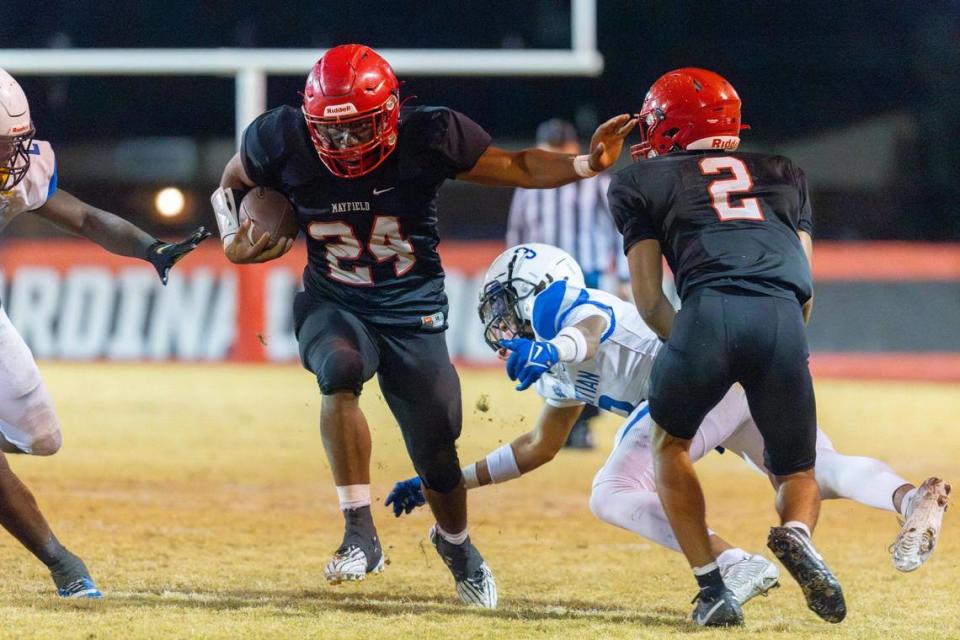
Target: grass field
200,498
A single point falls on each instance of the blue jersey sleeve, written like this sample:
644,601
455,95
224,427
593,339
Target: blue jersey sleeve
556,302
52,188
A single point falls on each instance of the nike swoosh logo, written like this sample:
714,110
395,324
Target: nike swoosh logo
702,620
377,192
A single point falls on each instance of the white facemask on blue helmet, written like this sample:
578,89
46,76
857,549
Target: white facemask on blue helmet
513,281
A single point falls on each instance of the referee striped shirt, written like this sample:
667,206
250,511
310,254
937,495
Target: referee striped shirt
574,217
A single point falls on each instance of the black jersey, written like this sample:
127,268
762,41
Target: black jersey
722,219
372,240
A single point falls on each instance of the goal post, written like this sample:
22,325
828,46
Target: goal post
251,67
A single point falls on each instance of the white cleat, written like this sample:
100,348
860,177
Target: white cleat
751,577
479,590
349,564
919,532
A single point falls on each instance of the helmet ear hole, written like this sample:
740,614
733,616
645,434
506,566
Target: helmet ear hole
671,132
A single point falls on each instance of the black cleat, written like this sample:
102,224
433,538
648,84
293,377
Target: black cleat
820,587
717,608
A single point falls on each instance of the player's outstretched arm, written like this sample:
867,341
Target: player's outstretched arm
542,169
115,234
234,183
526,453
646,279
529,359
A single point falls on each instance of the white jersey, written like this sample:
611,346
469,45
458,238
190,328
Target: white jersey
36,187
616,378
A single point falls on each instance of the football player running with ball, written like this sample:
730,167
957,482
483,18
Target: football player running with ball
577,346
362,171
28,423
735,229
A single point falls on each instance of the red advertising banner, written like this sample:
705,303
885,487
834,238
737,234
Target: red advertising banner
70,299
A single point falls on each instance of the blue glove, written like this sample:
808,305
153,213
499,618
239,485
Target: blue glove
406,496
529,360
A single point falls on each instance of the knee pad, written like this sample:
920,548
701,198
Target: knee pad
439,469
341,370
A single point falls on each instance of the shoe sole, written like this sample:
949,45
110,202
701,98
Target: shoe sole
820,587
909,563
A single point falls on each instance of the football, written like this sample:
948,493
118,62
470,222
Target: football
269,212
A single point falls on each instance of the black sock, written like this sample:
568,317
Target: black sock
711,581
359,530
52,552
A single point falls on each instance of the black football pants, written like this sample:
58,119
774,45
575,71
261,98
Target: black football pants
418,382
720,338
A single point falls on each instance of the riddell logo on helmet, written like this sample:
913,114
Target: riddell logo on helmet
724,143
339,110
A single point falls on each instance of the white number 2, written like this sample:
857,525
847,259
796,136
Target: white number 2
385,243
720,190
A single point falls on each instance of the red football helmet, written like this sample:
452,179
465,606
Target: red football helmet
352,106
688,108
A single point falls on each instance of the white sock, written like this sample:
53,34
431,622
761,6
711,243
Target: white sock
731,556
796,524
453,538
705,569
502,464
905,503
354,496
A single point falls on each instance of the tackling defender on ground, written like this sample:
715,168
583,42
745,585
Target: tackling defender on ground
363,171
28,423
594,348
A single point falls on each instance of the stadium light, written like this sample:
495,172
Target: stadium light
169,202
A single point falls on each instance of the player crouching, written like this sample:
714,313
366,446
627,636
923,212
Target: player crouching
579,346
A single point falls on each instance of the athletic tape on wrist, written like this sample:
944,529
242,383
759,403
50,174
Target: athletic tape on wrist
502,464
226,210
470,480
571,345
581,166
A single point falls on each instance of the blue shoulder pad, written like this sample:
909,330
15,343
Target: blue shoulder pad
547,307
555,303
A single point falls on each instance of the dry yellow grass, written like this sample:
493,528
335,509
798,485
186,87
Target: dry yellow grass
200,497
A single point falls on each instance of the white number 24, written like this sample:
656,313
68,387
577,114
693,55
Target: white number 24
385,243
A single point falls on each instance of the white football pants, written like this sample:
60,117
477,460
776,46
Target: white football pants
624,490
28,423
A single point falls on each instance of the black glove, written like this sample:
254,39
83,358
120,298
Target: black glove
163,255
